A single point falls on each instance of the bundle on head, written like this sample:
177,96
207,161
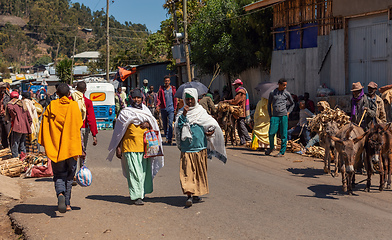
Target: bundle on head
317,123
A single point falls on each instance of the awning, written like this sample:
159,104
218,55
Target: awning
262,4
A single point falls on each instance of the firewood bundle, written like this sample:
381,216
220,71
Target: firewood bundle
226,107
293,146
317,123
317,152
35,160
9,166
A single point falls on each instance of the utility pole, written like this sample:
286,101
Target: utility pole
57,53
107,40
188,61
73,59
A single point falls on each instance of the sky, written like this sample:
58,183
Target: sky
148,12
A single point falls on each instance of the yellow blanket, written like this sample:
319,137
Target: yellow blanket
60,130
262,121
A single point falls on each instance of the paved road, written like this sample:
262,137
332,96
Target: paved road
251,197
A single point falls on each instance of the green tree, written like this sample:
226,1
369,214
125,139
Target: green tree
222,34
43,60
64,70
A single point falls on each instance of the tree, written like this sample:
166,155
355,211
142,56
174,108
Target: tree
43,60
222,34
64,70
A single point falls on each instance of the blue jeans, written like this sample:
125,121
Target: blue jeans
18,142
297,130
167,119
313,141
63,174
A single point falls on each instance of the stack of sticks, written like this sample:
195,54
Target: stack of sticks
9,166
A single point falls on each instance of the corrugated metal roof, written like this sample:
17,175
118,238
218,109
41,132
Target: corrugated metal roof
262,4
88,54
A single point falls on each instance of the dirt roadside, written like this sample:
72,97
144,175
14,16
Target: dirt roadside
7,229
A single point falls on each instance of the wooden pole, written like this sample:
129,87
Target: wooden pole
363,115
188,61
107,40
73,59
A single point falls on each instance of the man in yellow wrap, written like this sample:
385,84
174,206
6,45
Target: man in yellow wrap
60,136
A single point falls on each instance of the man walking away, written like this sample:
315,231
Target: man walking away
280,105
20,124
167,103
60,136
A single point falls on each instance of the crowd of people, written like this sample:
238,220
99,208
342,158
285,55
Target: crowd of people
64,120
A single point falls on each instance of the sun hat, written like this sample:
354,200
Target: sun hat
356,87
373,85
237,81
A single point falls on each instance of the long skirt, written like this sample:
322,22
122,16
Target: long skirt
139,175
193,173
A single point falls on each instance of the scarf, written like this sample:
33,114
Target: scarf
247,105
120,100
34,117
354,103
135,116
198,115
77,96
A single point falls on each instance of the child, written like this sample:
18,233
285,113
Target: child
60,136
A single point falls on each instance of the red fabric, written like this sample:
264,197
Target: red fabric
90,117
42,171
20,119
161,102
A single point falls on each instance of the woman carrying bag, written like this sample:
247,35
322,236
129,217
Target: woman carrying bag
128,142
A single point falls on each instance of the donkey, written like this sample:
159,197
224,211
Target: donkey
330,129
350,149
228,123
378,146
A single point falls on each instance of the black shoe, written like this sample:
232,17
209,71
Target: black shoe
139,202
61,203
74,183
197,199
189,202
268,152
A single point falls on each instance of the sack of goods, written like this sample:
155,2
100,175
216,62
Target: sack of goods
84,177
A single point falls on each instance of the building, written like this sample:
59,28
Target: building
331,42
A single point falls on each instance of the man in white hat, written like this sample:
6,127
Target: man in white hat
145,87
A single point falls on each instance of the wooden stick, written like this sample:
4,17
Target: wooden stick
363,115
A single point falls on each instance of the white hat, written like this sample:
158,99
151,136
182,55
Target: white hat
145,81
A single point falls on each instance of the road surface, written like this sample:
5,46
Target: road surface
251,197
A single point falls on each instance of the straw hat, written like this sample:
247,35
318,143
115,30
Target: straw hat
356,86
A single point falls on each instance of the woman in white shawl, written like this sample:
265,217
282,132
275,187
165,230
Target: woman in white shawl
127,143
199,137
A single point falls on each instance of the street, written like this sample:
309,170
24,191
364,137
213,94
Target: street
251,197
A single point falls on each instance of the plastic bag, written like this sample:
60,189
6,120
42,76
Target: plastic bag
151,144
84,177
324,91
255,142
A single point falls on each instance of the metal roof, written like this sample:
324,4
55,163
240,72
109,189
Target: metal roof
88,54
262,4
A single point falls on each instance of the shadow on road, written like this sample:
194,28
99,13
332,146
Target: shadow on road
49,179
49,210
325,191
306,172
111,198
176,201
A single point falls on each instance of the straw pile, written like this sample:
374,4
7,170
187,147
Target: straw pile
11,167
317,152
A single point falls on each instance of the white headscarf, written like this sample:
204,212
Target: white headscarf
135,116
198,115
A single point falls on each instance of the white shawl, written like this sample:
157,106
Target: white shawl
135,116
34,117
198,115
